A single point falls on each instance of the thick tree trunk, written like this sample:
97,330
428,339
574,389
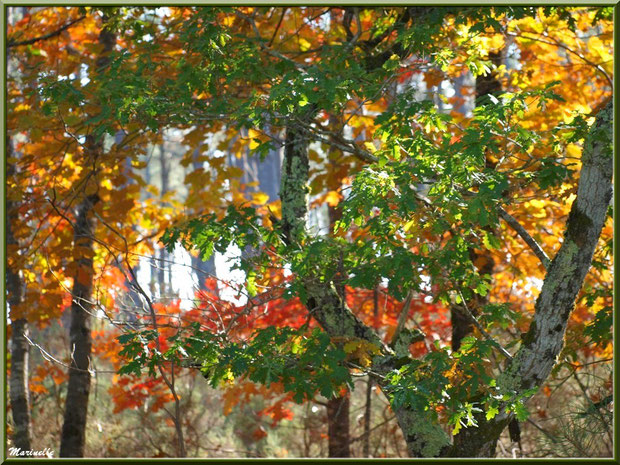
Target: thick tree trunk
543,342
545,337
19,394
338,426
18,380
76,405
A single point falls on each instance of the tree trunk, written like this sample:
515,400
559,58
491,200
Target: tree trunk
326,305
338,426
76,405
461,323
543,342
19,394
203,269
18,380
338,407
163,283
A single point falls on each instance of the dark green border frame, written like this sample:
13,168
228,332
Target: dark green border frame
3,387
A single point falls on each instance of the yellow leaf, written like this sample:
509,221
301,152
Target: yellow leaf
573,151
370,146
260,198
332,198
254,134
304,45
351,346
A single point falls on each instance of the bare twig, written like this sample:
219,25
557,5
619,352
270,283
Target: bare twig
557,43
529,240
275,32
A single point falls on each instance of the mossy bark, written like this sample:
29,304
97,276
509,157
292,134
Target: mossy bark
545,337
326,305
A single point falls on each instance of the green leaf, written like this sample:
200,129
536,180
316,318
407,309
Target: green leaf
520,411
491,412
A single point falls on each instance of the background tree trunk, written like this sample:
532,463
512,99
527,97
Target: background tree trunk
338,426
18,381
78,390
461,323
338,434
203,269
76,405
19,394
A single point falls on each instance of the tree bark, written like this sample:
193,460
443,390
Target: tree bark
338,407
338,426
462,324
423,439
203,269
537,355
18,379
164,285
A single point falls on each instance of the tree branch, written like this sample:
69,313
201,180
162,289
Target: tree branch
529,240
11,44
402,317
486,335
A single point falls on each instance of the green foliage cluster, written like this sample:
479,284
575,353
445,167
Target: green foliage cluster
305,362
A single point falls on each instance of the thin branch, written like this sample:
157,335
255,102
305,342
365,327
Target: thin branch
49,357
55,33
557,43
270,51
542,430
275,32
341,143
529,240
486,335
402,317
170,384
366,433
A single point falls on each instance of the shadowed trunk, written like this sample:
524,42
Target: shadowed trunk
338,426
18,380
78,390
338,407
461,323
